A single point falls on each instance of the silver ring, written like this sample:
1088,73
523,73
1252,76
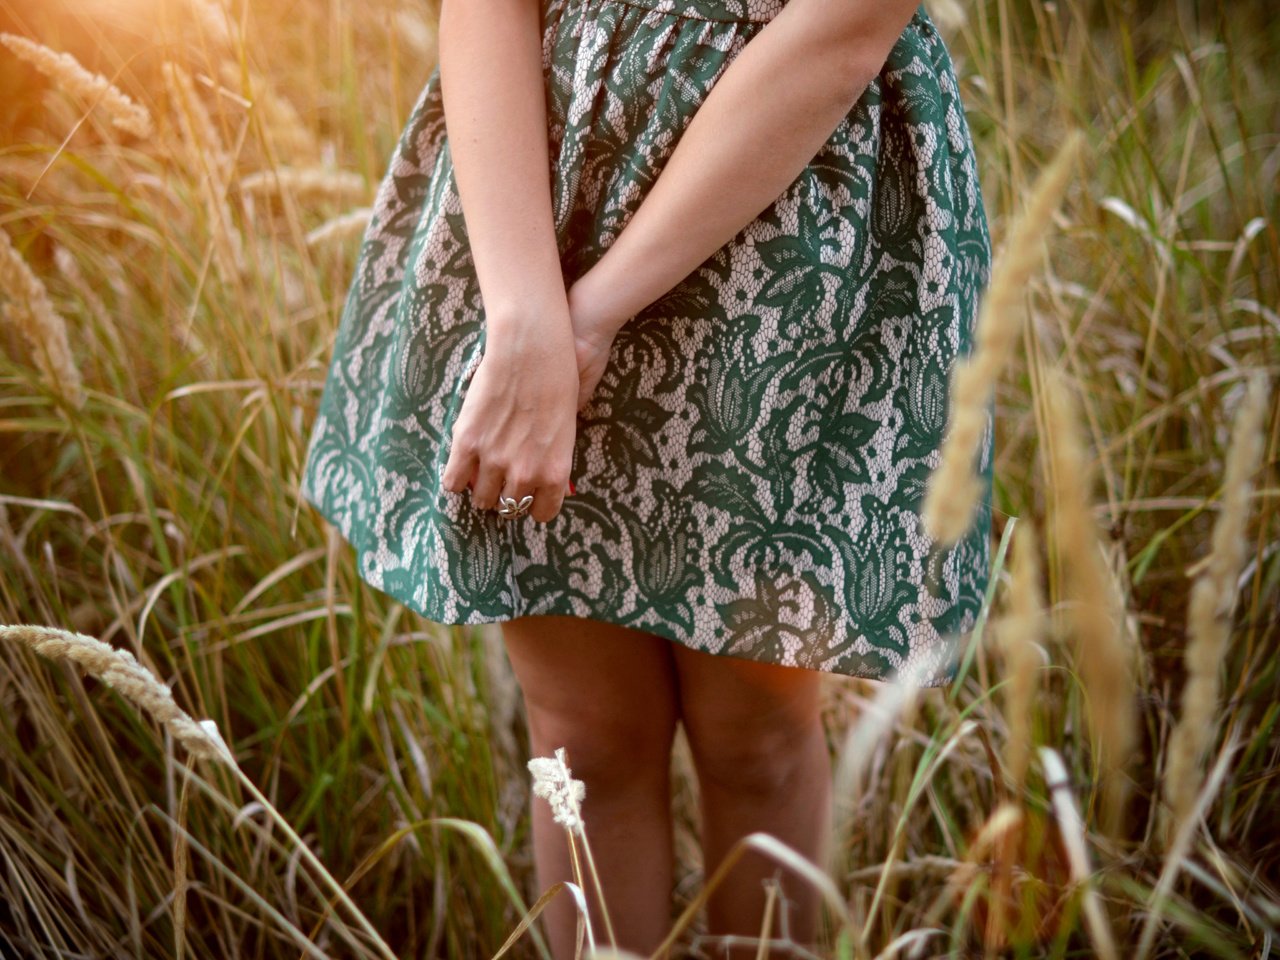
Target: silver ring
509,509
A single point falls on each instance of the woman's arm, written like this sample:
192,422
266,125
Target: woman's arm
494,96
516,428
764,120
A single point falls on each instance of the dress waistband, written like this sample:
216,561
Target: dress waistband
728,11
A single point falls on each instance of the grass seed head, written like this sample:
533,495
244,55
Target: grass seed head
67,73
553,782
1103,654
340,228
953,491
1213,597
30,311
305,183
121,671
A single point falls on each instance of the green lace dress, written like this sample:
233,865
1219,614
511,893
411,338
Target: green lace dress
751,468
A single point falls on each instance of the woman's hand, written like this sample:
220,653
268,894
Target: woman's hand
515,432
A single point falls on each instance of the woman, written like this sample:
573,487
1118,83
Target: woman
705,263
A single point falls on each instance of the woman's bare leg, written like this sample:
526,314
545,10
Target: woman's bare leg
756,735
606,694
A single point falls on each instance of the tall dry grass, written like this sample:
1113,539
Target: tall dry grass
1098,780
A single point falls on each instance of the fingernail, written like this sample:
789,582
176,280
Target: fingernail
572,488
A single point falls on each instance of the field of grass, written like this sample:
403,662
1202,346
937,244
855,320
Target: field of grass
174,247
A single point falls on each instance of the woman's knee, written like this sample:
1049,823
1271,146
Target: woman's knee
759,760
752,728
603,749
604,693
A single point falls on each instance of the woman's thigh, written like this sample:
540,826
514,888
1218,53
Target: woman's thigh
743,718
597,688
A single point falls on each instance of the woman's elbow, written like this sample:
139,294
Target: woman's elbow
861,41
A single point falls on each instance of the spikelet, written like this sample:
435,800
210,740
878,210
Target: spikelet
280,121
340,228
1103,654
306,183
1019,633
416,30
553,781
280,118
66,71
953,489
31,312
1209,614
120,670
999,830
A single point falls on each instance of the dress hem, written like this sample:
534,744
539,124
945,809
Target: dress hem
656,630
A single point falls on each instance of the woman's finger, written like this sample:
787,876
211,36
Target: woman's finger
547,501
488,484
459,469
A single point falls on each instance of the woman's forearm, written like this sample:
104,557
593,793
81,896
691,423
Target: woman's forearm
493,91
764,120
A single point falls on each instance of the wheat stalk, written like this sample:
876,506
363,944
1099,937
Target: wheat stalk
121,671
1003,821
280,118
31,312
953,488
67,73
948,15
553,781
216,22
201,139
1213,597
1103,654
70,269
